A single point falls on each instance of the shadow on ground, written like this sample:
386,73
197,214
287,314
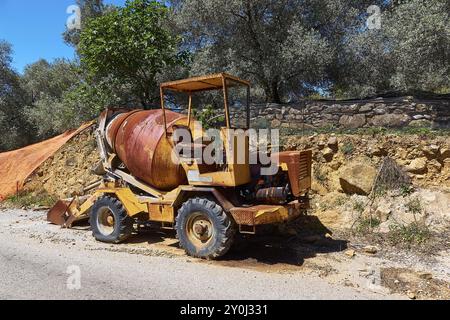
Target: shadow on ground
288,245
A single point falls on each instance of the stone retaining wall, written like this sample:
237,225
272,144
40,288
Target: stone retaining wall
381,112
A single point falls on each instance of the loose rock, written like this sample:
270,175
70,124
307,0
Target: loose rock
370,249
357,179
350,253
417,166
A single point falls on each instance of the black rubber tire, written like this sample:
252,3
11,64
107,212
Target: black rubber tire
224,230
123,224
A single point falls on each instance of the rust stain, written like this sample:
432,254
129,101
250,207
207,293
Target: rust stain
299,166
141,144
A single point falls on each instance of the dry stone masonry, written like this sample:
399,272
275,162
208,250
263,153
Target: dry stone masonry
354,114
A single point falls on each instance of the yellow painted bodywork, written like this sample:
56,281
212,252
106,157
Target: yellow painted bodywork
163,209
161,213
160,206
127,198
237,171
266,214
275,214
125,195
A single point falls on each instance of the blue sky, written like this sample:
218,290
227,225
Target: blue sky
34,28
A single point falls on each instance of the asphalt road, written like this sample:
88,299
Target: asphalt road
36,264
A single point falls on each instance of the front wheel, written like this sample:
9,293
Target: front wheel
204,230
109,221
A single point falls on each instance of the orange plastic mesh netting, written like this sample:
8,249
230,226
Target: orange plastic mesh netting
16,166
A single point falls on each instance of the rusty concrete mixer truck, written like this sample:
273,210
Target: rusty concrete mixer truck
145,182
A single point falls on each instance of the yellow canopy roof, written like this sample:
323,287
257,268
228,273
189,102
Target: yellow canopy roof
210,82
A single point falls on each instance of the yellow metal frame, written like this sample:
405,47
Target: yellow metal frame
220,81
163,209
126,197
236,174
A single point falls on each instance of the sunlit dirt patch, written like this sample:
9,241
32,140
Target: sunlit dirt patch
416,285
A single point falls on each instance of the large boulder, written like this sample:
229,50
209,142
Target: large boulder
390,120
353,122
357,178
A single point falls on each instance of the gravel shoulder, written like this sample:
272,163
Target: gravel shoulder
35,257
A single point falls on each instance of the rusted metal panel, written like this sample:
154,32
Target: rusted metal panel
305,170
113,128
191,191
299,167
141,144
59,213
209,82
244,216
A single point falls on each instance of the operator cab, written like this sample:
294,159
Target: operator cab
233,170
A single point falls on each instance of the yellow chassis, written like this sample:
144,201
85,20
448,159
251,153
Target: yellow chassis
163,209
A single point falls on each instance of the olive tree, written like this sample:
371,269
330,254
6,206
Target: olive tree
265,41
15,131
409,52
418,34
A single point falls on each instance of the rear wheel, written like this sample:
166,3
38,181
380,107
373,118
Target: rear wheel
109,221
204,229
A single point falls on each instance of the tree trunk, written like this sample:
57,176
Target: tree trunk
272,93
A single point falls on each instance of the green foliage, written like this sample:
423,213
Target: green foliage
420,41
14,128
359,206
320,176
29,199
131,44
89,9
413,234
410,52
423,131
208,117
266,41
373,131
52,88
348,148
83,103
406,190
43,78
414,206
366,225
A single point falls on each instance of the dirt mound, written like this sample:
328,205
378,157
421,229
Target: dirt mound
425,158
69,170
340,196
16,166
